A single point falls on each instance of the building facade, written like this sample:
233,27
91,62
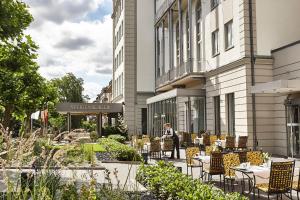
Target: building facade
133,52
210,58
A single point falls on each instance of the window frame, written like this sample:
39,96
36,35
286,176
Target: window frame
199,30
217,114
215,43
226,41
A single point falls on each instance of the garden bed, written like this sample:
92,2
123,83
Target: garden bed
166,182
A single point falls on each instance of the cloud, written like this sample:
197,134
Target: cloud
71,42
74,43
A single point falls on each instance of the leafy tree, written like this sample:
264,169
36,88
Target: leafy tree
70,89
14,17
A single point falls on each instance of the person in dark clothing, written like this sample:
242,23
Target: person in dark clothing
170,133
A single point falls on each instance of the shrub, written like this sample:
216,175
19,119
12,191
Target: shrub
118,138
94,136
120,151
157,179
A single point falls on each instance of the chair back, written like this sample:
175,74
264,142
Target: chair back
216,163
223,137
167,145
230,160
206,140
190,153
230,142
213,139
255,158
208,150
155,146
242,156
146,140
242,143
193,137
281,176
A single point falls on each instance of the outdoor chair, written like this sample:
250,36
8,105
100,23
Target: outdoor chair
280,181
242,142
208,150
242,156
230,160
213,139
134,140
167,146
296,186
193,137
230,143
206,140
215,167
155,148
255,158
223,136
190,154
146,140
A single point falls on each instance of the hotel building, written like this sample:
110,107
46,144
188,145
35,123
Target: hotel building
228,66
133,65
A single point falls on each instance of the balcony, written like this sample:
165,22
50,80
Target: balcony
179,76
163,9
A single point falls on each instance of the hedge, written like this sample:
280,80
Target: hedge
119,151
166,182
118,138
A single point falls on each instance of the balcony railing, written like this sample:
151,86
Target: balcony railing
163,8
176,73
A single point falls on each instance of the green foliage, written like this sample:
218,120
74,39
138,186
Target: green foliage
157,179
14,17
89,125
120,151
118,138
57,122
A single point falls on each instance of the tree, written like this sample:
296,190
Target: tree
14,17
71,89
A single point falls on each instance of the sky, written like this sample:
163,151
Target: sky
74,36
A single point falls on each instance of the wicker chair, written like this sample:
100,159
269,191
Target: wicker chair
216,166
296,186
242,143
193,137
223,136
208,150
230,143
213,139
155,148
190,153
280,181
255,158
229,161
146,140
167,146
242,156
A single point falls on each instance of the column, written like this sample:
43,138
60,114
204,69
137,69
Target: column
69,117
190,11
163,47
99,124
170,14
180,34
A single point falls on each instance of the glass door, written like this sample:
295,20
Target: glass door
293,127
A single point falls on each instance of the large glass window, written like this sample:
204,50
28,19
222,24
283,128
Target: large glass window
217,115
214,3
230,107
198,29
215,43
228,35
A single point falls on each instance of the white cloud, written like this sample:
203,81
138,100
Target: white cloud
70,43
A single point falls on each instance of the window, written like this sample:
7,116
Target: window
214,3
228,35
198,29
187,25
230,105
215,43
217,115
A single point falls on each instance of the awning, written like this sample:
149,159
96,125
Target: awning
279,86
178,92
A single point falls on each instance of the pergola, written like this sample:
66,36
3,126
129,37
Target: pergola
97,109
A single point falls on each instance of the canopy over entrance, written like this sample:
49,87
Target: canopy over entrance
97,109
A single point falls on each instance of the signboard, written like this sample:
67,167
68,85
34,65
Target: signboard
89,108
